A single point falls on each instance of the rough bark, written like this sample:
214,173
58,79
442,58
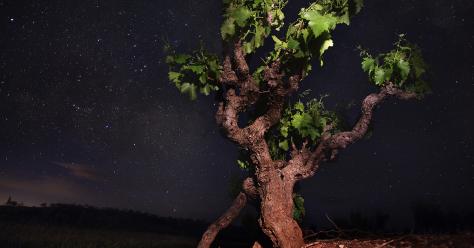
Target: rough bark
275,189
277,211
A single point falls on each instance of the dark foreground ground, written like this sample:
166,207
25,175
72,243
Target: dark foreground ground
29,236
39,236
465,240
69,226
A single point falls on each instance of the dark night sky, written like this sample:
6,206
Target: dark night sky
87,114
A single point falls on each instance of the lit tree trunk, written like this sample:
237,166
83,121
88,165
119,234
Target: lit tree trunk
277,211
275,189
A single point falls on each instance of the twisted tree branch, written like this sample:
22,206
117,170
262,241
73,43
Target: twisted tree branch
249,191
242,93
224,221
331,144
343,139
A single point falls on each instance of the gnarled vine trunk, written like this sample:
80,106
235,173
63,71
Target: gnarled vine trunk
277,211
275,178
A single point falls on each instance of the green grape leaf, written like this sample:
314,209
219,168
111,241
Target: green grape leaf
300,122
198,69
248,47
284,145
190,89
278,42
379,76
241,15
174,76
320,23
181,58
228,29
313,133
259,36
368,64
284,131
325,46
323,122
298,209
305,34
299,106
206,90
280,16
244,165
293,44
297,120
190,73
304,124
404,68
214,66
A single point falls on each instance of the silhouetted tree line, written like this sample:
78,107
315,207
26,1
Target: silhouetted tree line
432,218
375,224
13,203
88,217
427,218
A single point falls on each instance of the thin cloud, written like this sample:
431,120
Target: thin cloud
80,170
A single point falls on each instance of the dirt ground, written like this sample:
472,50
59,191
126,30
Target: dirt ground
465,240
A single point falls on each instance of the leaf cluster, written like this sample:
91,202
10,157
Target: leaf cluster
251,21
404,66
198,71
301,122
310,35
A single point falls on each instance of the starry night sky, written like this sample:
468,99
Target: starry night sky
87,115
